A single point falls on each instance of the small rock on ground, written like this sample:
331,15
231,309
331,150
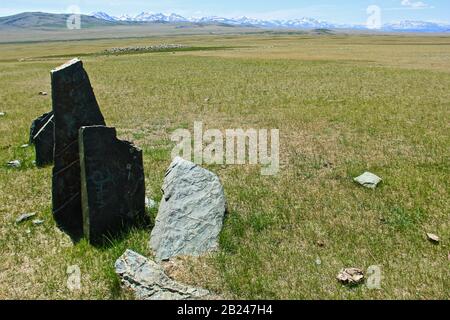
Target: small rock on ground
149,282
368,180
150,203
433,238
351,276
14,164
25,216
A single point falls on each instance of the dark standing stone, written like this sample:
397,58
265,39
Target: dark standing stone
41,135
112,183
74,106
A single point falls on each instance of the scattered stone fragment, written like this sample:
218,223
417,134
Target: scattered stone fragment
351,276
433,238
74,106
25,216
41,136
14,164
73,278
25,146
149,282
28,231
150,203
191,212
318,261
2,114
43,93
368,180
38,222
112,183
320,243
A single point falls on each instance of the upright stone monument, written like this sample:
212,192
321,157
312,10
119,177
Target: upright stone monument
41,136
112,183
74,106
191,213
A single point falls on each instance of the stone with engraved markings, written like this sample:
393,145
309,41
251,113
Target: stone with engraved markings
112,183
74,106
191,212
149,282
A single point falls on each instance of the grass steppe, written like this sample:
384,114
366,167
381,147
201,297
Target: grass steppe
343,104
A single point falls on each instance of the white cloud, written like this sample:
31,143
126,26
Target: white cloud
414,4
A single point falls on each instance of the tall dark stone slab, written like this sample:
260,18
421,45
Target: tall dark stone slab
112,183
41,136
74,106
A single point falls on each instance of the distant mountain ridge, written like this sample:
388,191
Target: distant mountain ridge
302,23
48,20
41,20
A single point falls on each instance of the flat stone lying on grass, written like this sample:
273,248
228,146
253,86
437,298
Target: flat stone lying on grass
368,180
43,93
351,276
73,278
191,212
26,145
38,222
74,106
41,136
433,238
14,164
149,282
25,216
2,114
112,183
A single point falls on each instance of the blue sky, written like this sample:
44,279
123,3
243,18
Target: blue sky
333,11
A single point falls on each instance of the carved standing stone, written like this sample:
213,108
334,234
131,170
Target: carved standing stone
41,136
74,106
191,213
112,183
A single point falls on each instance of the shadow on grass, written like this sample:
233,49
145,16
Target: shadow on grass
113,238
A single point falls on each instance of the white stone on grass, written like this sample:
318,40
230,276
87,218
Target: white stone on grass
25,216
150,203
368,180
14,164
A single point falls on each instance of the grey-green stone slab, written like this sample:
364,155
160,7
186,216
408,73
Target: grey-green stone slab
148,280
191,212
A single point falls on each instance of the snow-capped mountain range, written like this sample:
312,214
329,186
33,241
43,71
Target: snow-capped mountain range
302,23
